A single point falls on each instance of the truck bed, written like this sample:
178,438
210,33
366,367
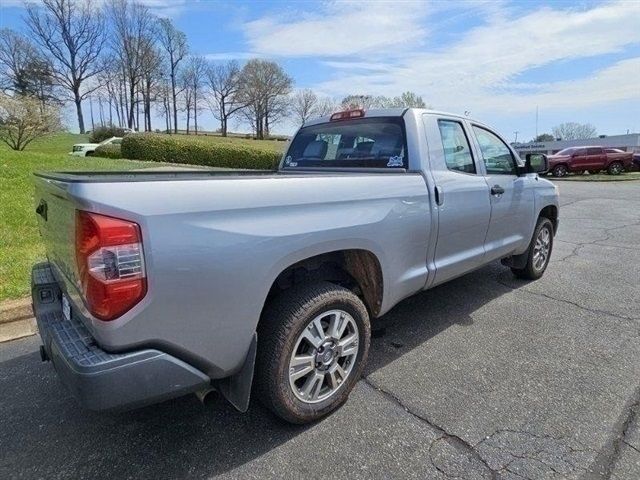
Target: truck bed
149,175
152,175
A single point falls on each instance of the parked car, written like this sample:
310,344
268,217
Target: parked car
591,159
159,284
88,149
636,160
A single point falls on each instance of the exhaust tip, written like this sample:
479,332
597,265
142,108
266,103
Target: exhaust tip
207,396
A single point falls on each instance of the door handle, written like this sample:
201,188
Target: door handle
439,194
497,190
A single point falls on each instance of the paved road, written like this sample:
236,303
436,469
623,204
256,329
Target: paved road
485,377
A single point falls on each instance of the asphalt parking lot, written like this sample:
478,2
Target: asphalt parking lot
485,377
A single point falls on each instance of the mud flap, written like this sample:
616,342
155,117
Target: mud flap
516,261
237,388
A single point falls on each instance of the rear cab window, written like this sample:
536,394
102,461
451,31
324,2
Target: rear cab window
376,142
457,152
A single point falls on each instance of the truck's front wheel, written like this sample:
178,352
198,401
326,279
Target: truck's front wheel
313,342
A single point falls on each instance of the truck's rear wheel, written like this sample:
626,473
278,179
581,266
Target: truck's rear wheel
616,168
313,342
539,251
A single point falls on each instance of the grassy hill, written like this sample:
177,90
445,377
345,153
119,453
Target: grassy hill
20,245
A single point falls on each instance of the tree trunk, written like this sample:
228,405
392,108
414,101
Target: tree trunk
195,112
78,102
132,106
175,100
93,125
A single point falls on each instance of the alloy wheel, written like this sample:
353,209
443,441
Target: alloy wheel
324,355
541,248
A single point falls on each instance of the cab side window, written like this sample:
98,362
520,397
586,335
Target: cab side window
495,153
457,153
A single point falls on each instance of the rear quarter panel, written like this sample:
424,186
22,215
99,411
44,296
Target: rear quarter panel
214,247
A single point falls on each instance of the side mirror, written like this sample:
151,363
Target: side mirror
536,163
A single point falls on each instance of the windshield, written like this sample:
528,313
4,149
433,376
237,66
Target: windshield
566,151
360,143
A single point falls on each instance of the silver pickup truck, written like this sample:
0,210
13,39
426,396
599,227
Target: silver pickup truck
160,284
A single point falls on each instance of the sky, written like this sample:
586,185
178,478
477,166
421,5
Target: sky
499,60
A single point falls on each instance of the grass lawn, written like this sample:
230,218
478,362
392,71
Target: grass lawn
20,245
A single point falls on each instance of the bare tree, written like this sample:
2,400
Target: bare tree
224,84
192,79
151,76
23,70
574,131
174,43
326,106
263,86
544,137
164,95
71,34
132,40
16,54
408,99
364,101
303,105
22,120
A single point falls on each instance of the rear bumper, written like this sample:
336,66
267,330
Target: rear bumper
101,380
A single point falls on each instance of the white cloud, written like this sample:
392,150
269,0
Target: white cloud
339,28
478,71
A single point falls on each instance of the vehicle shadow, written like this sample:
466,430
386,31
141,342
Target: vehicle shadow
45,434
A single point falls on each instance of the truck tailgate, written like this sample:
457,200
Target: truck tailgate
56,212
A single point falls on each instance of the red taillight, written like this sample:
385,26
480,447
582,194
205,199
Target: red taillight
346,115
110,264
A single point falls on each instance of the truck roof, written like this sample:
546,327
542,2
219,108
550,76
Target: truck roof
386,112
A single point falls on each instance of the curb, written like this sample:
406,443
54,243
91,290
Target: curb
16,319
18,329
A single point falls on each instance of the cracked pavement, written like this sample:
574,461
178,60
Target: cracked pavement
486,377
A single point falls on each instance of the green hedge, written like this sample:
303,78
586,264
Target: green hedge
108,151
173,149
102,133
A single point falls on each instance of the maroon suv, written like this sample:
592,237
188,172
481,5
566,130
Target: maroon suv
591,159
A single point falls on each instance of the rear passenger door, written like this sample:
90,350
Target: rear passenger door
579,160
511,199
462,198
596,158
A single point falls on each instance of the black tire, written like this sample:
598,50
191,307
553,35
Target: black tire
615,168
531,271
560,171
282,323
89,154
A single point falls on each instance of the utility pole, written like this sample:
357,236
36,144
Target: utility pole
516,132
536,122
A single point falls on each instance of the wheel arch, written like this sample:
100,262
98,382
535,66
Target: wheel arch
550,212
357,269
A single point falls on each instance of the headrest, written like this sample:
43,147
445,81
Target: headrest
315,149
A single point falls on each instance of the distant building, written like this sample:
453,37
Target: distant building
627,143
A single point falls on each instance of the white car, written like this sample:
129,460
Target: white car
87,149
